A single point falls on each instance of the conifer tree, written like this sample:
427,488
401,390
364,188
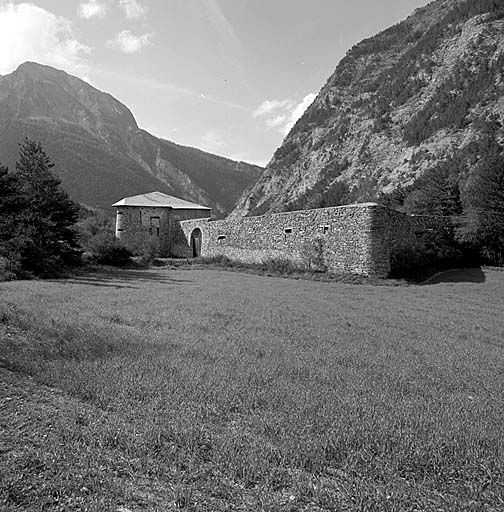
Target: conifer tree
8,208
435,193
8,203
482,224
45,235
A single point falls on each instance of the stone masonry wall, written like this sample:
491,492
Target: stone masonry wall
346,231
139,228
358,239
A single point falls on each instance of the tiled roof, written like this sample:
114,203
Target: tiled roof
160,200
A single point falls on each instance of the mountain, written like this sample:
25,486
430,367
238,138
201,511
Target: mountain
424,94
100,153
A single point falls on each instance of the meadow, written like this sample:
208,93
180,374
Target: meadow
207,390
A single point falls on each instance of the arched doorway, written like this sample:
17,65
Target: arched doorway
196,243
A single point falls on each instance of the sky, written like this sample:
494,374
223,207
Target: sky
227,76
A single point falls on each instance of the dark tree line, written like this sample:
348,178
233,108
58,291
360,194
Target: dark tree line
468,188
37,218
482,221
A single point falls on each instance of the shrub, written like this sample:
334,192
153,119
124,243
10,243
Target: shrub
410,262
280,266
97,237
149,253
419,262
9,267
108,251
219,259
313,255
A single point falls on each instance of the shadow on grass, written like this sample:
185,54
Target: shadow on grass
459,275
121,278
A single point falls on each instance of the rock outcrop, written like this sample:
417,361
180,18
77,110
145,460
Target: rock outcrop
398,105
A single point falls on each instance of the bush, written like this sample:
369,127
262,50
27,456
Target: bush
9,268
417,263
410,262
280,266
108,251
97,237
313,255
149,253
219,259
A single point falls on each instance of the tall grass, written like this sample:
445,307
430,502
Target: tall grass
223,391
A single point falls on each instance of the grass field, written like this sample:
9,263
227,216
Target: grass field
212,390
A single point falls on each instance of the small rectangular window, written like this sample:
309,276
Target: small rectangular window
157,232
325,229
288,230
120,230
119,213
221,237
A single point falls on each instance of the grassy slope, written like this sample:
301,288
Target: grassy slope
209,390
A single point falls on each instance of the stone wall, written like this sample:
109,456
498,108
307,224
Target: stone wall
139,228
346,232
359,239
179,244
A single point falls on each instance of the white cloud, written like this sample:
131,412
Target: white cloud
92,9
300,110
29,32
276,122
127,42
133,9
282,114
271,106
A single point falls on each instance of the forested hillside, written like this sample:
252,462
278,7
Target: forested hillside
100,153
423,98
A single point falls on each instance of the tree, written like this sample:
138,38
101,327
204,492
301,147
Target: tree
45,235
482,224
396,198
9,205
435,193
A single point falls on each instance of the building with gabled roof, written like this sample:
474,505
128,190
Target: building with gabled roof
151,222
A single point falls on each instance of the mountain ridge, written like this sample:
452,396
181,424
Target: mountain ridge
398,104
100,152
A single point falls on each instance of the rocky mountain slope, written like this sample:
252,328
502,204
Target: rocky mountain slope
415,97
100,152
